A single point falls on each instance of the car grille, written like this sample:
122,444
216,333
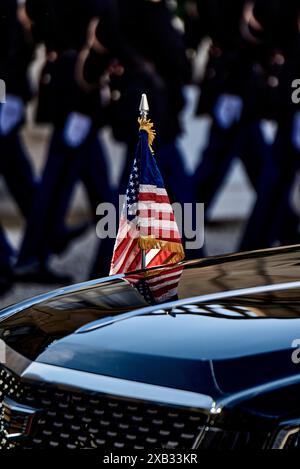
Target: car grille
75,420
89,420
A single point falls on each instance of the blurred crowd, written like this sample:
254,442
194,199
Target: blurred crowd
100,55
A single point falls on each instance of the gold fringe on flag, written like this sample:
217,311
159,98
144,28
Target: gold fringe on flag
146,243
147,125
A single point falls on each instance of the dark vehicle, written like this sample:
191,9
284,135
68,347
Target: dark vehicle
94,366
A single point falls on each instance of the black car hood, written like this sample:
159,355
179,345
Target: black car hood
222,345
192,352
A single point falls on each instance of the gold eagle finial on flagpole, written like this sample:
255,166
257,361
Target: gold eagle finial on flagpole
145,123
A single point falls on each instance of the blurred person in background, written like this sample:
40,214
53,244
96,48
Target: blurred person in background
16,52
6,254
230,94
222,89
7,28
75,152
15,164
274,24
147,55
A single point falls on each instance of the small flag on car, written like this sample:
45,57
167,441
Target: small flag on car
148,234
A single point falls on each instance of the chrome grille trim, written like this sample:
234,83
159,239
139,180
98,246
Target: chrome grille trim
17,419
79,380
65,378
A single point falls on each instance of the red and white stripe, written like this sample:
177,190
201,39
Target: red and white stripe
155,218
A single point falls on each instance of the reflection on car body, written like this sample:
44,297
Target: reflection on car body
95,364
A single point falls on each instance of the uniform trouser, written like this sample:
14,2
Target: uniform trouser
286,225
64,167
16,169
17,172
243,140
273,218
215,163
5,252
178,183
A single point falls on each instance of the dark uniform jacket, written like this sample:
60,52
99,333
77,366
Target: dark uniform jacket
142,38
8,23
229,59
241,67
16,51
62,25
280,32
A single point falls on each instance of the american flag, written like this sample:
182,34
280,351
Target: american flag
148,225
157,286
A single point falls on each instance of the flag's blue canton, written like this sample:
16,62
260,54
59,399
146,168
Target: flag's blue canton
150,174
133,191
145,291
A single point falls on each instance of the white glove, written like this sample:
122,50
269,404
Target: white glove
228,110
296,131
11,114
77,129
268,130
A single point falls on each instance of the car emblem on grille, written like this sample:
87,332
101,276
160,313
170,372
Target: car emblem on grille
17,419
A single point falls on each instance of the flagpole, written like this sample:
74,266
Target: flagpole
144,111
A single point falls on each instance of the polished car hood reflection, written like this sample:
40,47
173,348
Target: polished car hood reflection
214,347
192,352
